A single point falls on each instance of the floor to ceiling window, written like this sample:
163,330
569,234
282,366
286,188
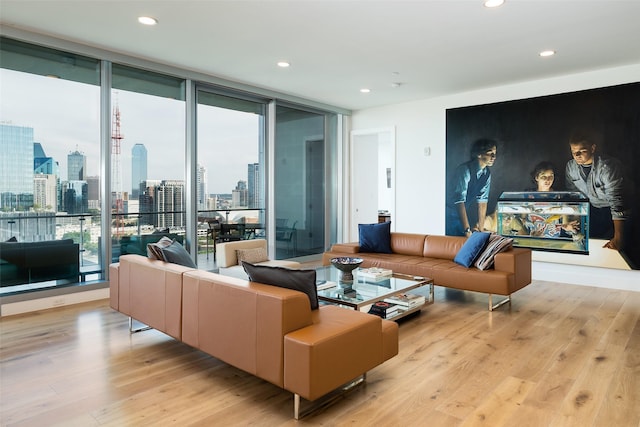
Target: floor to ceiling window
57,135
300,193
49,167
148,198
231,170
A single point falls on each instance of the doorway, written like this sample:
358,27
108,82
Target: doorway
372,187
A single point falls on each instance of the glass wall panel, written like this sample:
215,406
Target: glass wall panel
50,165
148,198
49,168
299,170
230,181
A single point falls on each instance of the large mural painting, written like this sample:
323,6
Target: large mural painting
559,174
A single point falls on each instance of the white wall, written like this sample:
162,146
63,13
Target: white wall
420,190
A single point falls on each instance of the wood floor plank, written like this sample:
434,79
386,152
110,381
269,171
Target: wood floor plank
622,400
560,355
500,404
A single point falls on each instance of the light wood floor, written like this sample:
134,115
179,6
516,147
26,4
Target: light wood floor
561,356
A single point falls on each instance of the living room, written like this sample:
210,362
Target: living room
417,124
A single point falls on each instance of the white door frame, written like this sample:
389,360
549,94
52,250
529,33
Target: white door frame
386,160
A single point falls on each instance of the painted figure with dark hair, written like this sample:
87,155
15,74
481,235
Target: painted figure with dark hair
543,175
469,190
601,179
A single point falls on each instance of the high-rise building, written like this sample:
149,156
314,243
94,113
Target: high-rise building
16,167
212,202
239,195
74,197
93,192
162,203
254,187
42,164
146,202
170,203
138,168
45,192
202,187
76,166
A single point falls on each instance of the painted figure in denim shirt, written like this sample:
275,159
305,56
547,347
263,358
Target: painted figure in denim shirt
469,191
601,179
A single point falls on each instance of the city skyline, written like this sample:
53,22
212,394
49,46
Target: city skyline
41,188
37,102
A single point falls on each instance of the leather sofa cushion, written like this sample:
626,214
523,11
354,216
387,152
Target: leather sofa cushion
340,345
445,247
242,323
407,243
149,291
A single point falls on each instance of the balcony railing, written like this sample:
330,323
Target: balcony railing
55,249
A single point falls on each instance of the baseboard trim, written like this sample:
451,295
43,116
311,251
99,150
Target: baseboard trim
27,306
610,278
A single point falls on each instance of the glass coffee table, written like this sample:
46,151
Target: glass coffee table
364,292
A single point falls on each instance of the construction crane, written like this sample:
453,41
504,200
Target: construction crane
117,204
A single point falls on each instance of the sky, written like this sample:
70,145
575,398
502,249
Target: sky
65,117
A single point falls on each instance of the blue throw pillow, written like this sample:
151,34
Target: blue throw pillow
472,248
375,237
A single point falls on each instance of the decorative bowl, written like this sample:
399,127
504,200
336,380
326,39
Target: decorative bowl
346,265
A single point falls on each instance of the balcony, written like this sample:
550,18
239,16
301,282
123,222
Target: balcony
52,250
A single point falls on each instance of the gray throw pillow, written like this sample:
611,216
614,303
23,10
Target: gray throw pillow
298,280
175,253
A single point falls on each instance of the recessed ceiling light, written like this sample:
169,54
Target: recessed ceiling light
365,90
283,64
547,53
147,20
493,3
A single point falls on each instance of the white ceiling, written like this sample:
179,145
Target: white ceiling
338,47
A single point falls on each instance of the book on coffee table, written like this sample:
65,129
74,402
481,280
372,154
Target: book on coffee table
375,273
383,309
406,300
325,284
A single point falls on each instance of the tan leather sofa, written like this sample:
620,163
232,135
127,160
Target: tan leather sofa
432,256
268,331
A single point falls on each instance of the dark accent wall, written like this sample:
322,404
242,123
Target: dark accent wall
536,129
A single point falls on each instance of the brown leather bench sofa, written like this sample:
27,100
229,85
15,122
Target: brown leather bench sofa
268,331
432,256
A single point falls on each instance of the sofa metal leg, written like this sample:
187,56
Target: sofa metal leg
133,331
326,400
499,304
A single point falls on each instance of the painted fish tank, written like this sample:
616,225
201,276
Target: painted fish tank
545,220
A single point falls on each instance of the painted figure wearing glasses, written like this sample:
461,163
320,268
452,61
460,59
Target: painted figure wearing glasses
469,194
